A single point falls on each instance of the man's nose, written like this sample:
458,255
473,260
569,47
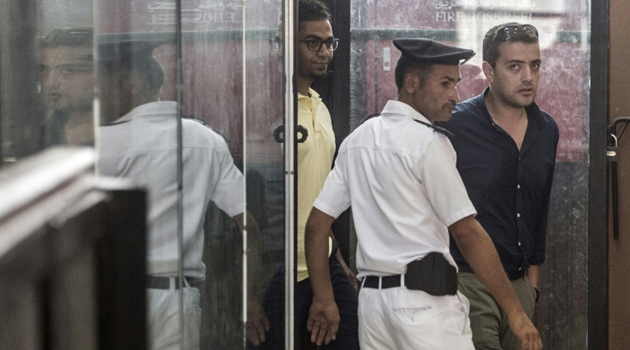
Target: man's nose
324,50
527,74
52,78
455,96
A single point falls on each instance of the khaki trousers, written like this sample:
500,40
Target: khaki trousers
488,322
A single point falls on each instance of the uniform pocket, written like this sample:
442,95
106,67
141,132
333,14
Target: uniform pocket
415,307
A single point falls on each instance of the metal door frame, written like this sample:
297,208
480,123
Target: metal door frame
597,228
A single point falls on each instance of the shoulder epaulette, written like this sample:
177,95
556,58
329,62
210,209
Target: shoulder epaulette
434,127
204,123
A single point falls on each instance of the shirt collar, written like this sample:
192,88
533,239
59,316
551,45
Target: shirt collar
534,114
313,94
152,108
397,107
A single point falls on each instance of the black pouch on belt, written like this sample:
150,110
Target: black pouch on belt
433,275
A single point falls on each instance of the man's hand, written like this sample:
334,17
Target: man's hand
257,323
527,334
346,269
323,317
352,278
323,322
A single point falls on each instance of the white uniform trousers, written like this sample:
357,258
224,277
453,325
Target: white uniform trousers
399,318
163,319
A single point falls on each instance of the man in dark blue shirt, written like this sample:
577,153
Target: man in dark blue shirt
506,150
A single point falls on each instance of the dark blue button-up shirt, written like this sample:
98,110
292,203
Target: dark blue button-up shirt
509,188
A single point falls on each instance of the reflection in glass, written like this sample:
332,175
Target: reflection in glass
228,88
138,139
66,72
67,80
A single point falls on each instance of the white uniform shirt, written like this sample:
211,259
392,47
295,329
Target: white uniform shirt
400,178
142,146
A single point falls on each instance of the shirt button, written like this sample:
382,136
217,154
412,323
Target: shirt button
518,186
520,268
519,244
518,215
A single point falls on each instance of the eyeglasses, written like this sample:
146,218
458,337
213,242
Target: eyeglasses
513,31
316,44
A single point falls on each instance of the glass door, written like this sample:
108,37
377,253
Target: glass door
189,94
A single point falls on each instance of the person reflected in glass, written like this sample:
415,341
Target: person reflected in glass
138,141
506,152
316,149
67,81
398,173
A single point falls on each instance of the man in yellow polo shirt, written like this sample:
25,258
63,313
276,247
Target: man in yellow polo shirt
316,149
315,157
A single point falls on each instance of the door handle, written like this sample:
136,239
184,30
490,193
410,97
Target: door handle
612,156
278,134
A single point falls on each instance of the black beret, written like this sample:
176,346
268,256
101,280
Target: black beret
433,52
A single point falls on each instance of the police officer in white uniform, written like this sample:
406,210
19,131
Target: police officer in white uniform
398,173
138,141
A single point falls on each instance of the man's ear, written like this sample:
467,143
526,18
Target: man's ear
136,83
488,71
411,82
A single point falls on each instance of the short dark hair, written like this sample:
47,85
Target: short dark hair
153,72
491,45
313,10
149,67
406,65
133,57
68,37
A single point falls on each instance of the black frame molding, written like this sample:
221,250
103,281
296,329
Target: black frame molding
597,229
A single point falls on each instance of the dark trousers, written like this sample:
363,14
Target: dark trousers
345,296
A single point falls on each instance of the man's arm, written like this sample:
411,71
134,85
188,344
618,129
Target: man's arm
351,276
479,252
257,323
323,318
532,274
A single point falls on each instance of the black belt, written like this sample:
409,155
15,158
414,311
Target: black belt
386,282
433,275
512,275
157,282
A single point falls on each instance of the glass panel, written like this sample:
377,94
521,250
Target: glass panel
227,128
138,139
229,72
564,27
264,167
212,91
